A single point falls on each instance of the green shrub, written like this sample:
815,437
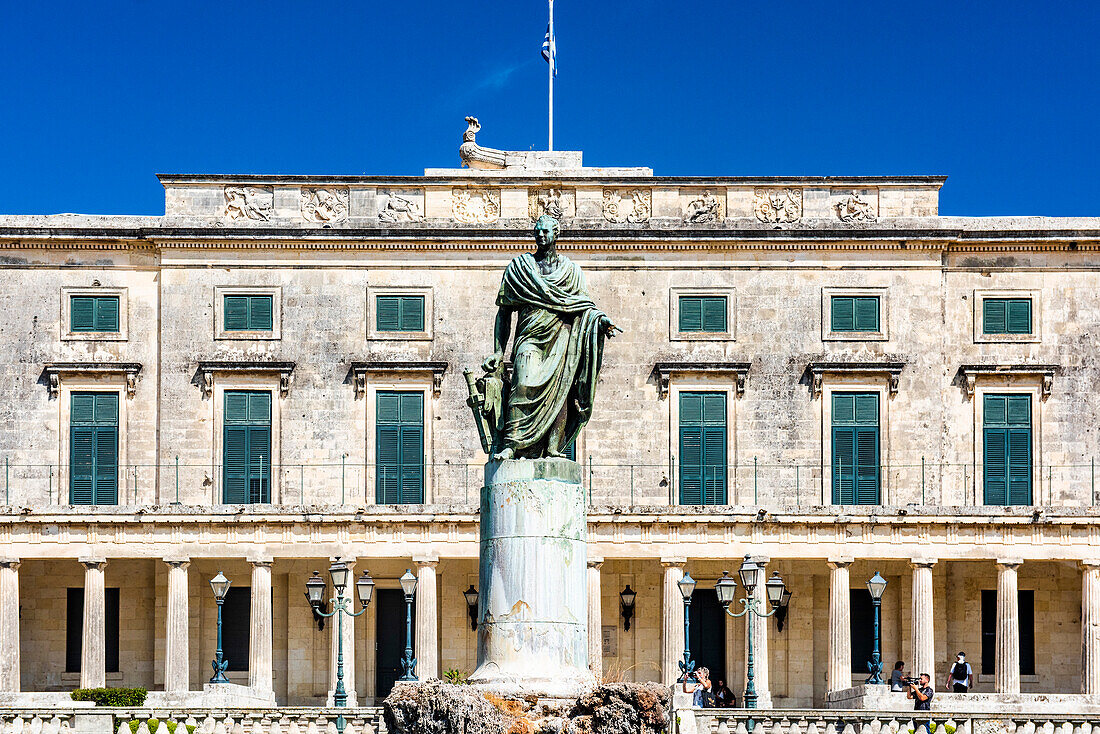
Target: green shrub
454,676
154,723
111,696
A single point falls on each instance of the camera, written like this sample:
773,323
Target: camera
911,681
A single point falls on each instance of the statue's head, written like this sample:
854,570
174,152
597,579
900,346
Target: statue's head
546,231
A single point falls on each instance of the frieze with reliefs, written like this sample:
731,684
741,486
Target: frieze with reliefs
255,203
627,206
557,203
854,208
475,206
777,206
396,207
325,205
703,209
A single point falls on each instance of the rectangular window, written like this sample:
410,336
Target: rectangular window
93,449
1006,423
74,629
854,313
236,623
94,313
702,448
1027,631
246,448
703,313
399,419
855,448
399,313
249,313
862,619
1006,316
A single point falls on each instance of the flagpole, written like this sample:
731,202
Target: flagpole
550,143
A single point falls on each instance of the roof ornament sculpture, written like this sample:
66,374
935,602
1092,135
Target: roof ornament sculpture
475,156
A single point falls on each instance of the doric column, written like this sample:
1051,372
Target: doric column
349,640
260,676
923,619
1090,627
672,620
760,640
93,648
838,669
9,625
427,617
176,643
595,618
1007,669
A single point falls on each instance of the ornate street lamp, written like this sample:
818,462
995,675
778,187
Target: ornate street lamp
408,662
876,585
626,605
220,586
774,588
341,605
471,605
687,588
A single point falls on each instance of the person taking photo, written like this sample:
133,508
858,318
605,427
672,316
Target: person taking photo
921,693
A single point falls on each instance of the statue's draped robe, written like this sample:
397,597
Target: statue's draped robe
557,353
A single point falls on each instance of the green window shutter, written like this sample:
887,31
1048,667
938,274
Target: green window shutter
691,313
236,313
1018,318
1019,466
399,418
83,408
867,469
81,465
714,465
82,313
93,447
412,313
260,313
866,313
388,310
995,467
246,447
855,432
844,460
570,451
106,465
843,313
703,455
714,313
106,313
1007,449
691,463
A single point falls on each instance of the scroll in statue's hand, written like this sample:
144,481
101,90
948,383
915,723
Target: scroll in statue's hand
492,362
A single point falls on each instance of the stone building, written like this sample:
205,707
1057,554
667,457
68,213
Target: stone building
822,373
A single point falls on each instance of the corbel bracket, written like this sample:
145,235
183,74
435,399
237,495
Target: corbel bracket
889,370
1044,373
207,370
56,371
736,371
360,370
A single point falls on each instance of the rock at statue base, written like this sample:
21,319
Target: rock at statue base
533,609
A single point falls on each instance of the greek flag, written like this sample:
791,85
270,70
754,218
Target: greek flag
550,50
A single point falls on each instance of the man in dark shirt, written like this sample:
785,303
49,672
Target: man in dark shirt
921,693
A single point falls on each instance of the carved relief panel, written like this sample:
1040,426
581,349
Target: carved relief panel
558,203
632,206
703,206
397,207
777,206
324,205
475,206
256,203
854,206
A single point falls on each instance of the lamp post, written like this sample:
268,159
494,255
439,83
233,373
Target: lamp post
220,586
876,585
687,588
627,598
726,588
471,605
341,605
408,662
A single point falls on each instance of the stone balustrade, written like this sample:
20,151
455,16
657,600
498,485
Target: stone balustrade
819,721
365,720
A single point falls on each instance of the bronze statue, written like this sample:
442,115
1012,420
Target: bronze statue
557,354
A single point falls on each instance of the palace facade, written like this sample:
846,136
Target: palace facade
821,373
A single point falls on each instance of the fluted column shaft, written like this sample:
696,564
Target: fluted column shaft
9,626
672,620
260,676
923,618
93,647
349,641
838,670
1090,627
1007,670
760,640
427,618
176,643
595,618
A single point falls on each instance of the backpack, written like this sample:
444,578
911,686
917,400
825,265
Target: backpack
958,671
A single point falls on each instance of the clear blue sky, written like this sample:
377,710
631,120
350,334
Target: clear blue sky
1000,96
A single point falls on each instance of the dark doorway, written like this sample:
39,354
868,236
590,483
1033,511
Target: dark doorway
390,636
862,613
708,634
1027,631
236,627
74,629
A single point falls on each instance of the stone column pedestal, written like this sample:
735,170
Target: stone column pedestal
9,626
1090,627
838,668
672,620
176,644
260,678
93,649
533,634
427,617
923,619
1007,671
